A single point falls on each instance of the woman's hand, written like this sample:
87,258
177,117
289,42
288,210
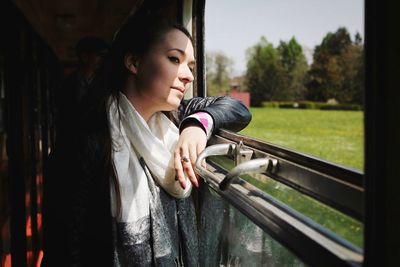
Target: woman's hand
191,143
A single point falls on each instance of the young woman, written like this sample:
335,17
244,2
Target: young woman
121,194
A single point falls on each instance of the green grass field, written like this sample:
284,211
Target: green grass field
336,136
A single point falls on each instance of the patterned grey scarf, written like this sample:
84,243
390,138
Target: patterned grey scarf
167,237
156,225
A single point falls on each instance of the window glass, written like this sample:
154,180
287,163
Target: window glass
338,223
298,65
229,238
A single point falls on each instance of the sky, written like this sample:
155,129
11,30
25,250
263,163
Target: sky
232,26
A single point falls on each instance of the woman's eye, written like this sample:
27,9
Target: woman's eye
174,59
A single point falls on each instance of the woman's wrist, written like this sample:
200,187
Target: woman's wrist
200,119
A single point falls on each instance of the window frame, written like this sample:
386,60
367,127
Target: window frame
353,202
381,168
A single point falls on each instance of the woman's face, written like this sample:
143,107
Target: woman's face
165,72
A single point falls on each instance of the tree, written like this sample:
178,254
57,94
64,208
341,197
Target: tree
295,65
337,67
265,74
219,68
324,78
352,62
334,43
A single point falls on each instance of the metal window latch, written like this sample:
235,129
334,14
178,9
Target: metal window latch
242,154
251,166
244,163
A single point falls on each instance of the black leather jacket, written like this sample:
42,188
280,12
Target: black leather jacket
76,204
227,113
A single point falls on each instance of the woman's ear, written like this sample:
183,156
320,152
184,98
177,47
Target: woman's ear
130,63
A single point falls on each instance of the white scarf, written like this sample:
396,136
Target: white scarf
155,142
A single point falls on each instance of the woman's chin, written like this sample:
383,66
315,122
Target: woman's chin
174,103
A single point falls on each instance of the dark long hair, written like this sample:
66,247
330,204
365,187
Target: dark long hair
138,34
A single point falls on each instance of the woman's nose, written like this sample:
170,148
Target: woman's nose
186,75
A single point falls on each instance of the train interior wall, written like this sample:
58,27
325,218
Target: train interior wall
30,73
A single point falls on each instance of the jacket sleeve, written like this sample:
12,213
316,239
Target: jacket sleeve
227,112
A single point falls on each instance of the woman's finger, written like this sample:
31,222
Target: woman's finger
193,154
187,165
200,147
188,169
179,169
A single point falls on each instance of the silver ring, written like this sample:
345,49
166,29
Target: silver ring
184,159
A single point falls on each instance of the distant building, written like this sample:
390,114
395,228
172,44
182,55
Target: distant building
235,90
243,96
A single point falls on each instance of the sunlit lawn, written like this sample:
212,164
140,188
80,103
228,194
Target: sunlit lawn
335,136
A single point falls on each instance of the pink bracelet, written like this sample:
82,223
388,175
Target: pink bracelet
205,119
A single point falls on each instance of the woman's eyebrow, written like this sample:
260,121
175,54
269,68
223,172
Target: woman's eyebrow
177,49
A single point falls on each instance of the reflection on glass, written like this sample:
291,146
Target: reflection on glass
228,238
337,222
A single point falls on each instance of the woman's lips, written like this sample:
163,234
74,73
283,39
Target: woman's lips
181,89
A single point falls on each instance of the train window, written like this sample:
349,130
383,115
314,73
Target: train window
234,240
338,222
299,66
